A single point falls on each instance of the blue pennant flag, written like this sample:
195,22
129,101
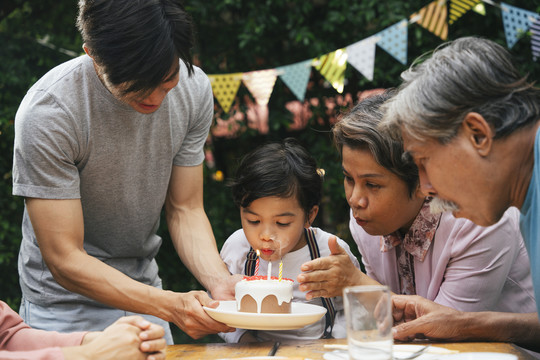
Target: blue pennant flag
516,22
296,77
393,40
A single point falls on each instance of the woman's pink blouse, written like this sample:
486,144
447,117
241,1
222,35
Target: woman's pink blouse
467,267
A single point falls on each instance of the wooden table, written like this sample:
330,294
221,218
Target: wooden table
311,349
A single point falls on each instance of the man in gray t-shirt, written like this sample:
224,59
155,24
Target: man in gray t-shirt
102,143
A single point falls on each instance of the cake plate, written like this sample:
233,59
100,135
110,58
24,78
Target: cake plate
301,315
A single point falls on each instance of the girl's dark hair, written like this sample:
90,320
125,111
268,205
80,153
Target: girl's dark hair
359,129
136,42
278,169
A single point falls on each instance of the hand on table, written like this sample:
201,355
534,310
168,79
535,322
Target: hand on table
128,338
188,314
327,276
417,317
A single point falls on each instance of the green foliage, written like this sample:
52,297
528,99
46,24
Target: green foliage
232,36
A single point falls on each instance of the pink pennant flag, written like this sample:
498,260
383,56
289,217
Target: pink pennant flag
260,84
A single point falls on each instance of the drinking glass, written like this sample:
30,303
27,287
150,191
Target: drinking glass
368,310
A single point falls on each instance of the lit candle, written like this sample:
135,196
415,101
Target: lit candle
280,269
257,263
269,270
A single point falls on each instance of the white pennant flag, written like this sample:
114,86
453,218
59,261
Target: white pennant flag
361,55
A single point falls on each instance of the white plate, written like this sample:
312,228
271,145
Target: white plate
481,356
404,350
301,315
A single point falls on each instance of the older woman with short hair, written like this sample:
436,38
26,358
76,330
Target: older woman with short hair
406,246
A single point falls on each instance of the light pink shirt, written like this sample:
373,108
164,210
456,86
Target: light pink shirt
467,267
19,341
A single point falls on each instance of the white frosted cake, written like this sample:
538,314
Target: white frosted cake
257,294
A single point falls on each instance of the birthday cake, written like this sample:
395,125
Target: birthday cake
257,294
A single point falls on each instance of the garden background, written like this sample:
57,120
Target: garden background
236,36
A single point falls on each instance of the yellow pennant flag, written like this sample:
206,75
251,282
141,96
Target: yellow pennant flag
460,7
433,18
260,84
225,88
332,66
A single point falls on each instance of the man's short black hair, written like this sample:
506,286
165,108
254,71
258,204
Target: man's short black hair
136,42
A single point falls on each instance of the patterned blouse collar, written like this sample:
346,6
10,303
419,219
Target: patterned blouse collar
419,237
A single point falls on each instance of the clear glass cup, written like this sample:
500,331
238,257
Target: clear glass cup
368,310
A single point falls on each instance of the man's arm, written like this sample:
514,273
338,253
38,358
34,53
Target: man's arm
415,316
59,228
192,234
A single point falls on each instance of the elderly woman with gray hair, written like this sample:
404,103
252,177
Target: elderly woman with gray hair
407,247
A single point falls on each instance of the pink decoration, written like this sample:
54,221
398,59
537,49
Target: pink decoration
257,263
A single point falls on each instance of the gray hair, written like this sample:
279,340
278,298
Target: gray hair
470,74
359,129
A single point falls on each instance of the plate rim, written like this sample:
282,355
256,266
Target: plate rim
246,320
321,309
483,354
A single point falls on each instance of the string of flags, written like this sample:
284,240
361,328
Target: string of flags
434,17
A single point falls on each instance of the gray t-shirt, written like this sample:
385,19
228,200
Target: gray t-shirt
73,140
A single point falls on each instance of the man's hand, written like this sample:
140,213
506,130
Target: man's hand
327,276
417,317
225,289
188,314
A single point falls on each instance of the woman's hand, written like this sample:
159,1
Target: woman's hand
327,276
128,338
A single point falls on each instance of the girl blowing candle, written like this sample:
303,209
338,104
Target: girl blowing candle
278,190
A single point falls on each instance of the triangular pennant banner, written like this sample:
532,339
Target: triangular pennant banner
433,18
260,84
225,88
460,7
361,55
393,40
535,39
296,77
516,21
480,9
332,66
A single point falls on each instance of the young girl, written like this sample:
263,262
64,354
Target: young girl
278,191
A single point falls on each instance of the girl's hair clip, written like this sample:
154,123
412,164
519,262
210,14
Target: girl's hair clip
321,172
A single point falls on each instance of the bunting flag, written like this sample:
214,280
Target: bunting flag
480,9
225,88
535,39
433,18
296,77
516,21
460,7
260,84
361,55
393,40
332,66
